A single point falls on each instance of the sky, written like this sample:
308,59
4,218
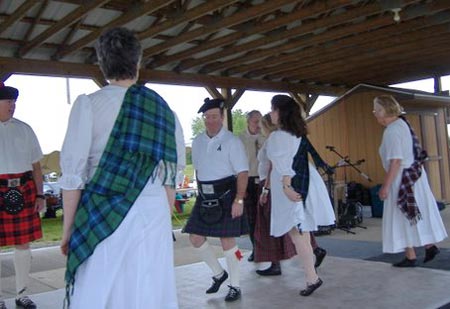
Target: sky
43,103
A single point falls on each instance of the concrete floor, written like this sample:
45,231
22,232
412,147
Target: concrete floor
349,280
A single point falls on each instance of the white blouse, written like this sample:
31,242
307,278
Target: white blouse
19,147
285,214
90,124
263,162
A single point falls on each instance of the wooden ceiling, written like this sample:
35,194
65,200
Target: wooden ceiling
304,47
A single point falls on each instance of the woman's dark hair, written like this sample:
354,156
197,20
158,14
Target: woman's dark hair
119,53
289,115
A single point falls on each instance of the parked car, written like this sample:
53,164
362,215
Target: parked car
53,198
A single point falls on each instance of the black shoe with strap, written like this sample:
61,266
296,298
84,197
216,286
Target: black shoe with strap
25,302
430,253
310,288
320,254
273,270
234,294
405,263
217,283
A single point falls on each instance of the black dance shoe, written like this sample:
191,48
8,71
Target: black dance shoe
310,288
25,302
273,270
320,254
405,263
430,253
217,283
251,257
233,294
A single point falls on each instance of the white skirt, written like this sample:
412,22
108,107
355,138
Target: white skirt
398,233
318,210
133,268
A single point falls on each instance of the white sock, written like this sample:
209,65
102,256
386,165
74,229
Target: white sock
233,257
22,266
208,255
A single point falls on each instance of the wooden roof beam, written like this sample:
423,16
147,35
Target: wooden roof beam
68,20
417,50
237,18
134,12
187,16
430,64
296,32
374,50
69,69
337,48
36,20
316,8
18,14
300,42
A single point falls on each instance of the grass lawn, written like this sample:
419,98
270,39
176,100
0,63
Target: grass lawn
52,228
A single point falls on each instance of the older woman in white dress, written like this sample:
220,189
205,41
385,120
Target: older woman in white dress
406,223
131,266
297,210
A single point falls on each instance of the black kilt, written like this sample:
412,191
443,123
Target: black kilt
227,226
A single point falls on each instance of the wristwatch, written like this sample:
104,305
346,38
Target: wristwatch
239,201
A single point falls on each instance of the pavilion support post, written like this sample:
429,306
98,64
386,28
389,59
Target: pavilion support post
4,76
437,84
306,102
230,98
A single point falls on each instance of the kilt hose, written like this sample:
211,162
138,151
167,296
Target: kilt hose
268,248
251,202
25,226
227,226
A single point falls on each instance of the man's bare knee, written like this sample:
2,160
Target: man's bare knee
196,240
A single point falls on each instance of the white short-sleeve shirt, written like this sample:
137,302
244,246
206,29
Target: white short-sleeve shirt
19,147
394,145
218,157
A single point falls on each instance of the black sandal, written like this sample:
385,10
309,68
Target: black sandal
310,288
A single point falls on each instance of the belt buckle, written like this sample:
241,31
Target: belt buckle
13,182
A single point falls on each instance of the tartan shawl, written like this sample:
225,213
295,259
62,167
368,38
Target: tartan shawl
406,200
142,139
300,182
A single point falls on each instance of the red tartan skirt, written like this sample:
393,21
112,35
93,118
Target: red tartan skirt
25,226
268,248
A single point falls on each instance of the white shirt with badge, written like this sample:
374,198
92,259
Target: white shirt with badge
218,157
19,147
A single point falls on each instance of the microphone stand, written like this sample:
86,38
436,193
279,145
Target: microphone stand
349,163
345,159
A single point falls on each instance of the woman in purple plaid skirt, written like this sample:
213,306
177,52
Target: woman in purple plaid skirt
268,248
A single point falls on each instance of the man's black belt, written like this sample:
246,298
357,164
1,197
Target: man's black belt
221,185
16,182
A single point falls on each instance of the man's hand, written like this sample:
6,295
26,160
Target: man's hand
237,209
39,204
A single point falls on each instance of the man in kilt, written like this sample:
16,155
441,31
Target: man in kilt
253,141
21,188
222,173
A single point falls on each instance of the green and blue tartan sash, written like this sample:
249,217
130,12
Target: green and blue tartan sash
142,136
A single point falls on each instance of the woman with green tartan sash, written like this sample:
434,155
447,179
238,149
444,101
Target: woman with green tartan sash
120,156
